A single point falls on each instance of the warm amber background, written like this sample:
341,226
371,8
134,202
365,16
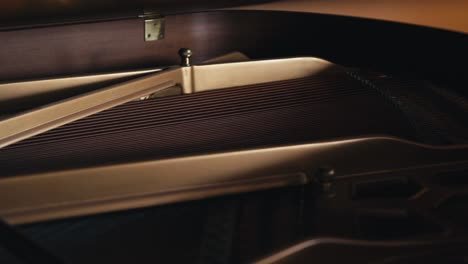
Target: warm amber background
445,14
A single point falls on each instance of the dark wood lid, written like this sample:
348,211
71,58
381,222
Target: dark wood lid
31,12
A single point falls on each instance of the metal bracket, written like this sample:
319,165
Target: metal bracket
155,25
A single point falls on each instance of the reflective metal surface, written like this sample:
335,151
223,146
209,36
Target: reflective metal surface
217,76
34,122
30,198
360,251
155,28
230,57
16,96
41,92
191,79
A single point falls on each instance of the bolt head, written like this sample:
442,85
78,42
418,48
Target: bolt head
185,53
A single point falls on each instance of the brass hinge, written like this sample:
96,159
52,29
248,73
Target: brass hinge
155,25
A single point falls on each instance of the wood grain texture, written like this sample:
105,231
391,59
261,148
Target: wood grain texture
119,45
29,12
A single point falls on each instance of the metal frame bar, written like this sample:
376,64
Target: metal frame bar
191,79
76,192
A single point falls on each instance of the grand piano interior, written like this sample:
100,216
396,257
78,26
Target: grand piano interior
233,132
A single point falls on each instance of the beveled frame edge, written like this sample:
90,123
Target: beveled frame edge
190,79
77,192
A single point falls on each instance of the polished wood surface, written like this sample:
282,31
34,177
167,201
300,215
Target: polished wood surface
446,14
29,12
119,45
